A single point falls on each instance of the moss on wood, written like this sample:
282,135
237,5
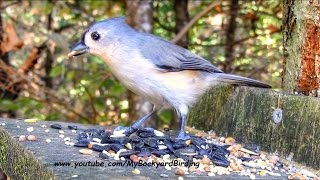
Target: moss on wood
17,162
246,113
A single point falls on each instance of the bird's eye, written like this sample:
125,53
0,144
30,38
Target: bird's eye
95,36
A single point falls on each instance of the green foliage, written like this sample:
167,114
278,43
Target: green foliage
87,85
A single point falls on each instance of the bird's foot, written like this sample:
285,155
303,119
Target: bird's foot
182,136
127,130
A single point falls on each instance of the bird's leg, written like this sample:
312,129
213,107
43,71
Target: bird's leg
182,115
134,127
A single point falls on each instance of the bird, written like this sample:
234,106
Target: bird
154,68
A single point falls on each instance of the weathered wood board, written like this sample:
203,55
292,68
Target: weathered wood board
35,159
246,113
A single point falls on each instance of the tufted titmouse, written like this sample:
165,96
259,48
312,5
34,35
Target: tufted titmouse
154,68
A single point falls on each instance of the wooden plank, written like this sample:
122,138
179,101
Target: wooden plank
35,159
246,113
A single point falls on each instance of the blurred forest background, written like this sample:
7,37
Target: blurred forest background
38,80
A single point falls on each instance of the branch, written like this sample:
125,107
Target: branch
185,29
10,4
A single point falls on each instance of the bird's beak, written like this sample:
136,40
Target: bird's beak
78,49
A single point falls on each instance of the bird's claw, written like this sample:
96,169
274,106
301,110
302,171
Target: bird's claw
182,136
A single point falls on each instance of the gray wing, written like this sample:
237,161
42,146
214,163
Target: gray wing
169,57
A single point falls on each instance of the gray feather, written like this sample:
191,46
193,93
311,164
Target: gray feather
234,79
170,57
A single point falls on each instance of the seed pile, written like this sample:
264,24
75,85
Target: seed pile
213,155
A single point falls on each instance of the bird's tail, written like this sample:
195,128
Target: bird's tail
238,80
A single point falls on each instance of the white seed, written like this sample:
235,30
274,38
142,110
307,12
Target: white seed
67,139
61,136
96,140
30,129
73,131
61,131
31,120
128,145
252,176
85,151
158,133
162,147
136,171
18,126
211,174
44,126
47,130
118,133
48,140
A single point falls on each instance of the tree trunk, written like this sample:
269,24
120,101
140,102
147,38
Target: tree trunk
4,56
139,17
182,18
301,45
230,36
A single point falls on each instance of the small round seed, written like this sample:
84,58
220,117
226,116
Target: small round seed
179,172
32,138
85,151
22,138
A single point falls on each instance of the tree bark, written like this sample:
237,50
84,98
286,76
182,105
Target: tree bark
301,46
139,17
4,56
230,36
182,18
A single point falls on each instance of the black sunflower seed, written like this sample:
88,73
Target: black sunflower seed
56,126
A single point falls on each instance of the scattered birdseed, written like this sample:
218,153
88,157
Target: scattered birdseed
136,171
43,126
31,120
2,124
179,172
158,133
164,175
22,138
48,140
56,126
73,131
31,137
118,134
85,151
72,127
47,130
74,176
215,155
18,126
61,131
66,139
61,136
180,178
252,176
96,140
30,129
